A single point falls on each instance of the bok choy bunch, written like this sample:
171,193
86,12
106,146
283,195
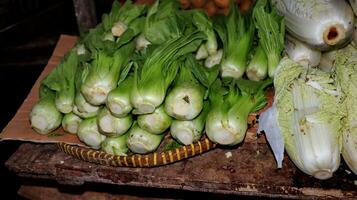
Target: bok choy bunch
156,122
141,141
61,80
161,23
271,32
226,123
104,74
257,69
118,101
88,133
152,80
115,145
185,100
346,73
110,125
323,24
308,116
70,123
81,107
120,17
236,32
189,131
44,116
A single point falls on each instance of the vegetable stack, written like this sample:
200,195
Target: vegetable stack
313,115
146,70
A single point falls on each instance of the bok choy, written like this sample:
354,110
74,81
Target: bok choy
236,32
104,74
110,125
89,134
61,80
161,23
156,122
44,116
117,21
141,141
189,131
81,107
257,69
118,101
226,123
70,123
157,73
204,24
271,32
185,100
115,145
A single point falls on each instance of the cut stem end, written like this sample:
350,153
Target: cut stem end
334,34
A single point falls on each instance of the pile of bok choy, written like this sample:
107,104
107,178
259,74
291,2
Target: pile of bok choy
145,71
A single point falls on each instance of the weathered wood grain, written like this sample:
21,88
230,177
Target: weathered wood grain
251,170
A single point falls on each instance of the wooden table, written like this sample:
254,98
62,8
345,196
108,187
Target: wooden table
250,171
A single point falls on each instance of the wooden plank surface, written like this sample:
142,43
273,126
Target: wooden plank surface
250,170
47,192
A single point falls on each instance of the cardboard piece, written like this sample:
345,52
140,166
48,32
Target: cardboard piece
19,127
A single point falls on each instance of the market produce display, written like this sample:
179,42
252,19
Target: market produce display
150,70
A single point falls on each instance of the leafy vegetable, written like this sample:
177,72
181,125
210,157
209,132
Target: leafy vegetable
104,74
156,122
70,123
257,69
115,145
118,101
141,141
61,80
89,134
161,22
189,131
301,52
322,24
271,32
185,100
308,115
226,123
158,71
236,32
110,125
44,116
346,68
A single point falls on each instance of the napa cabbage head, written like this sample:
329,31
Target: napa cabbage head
308,115
346,73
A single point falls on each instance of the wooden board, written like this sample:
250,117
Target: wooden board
250,171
